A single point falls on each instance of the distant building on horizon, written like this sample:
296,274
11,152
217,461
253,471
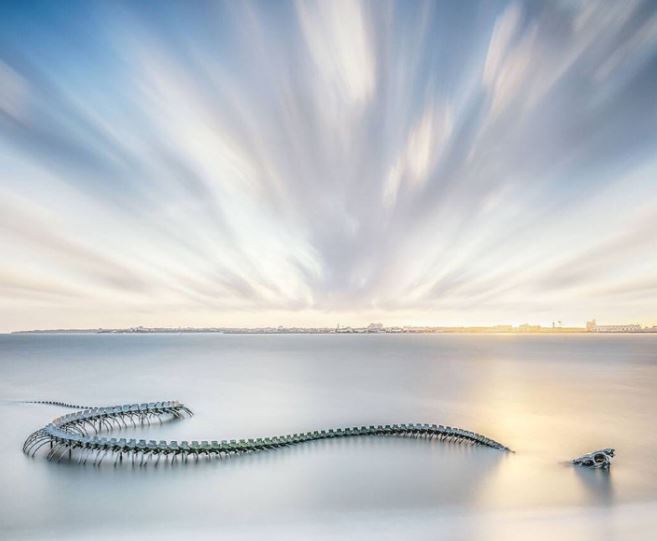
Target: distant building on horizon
592,326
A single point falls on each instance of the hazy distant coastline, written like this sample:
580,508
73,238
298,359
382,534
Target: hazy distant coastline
373,328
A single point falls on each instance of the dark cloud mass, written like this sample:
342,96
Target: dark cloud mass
251,163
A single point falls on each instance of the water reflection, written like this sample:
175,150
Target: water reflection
597,483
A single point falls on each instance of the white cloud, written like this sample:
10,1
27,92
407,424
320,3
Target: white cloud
339,41
424,148
510,60
13,92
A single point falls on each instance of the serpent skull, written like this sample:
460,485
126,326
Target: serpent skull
596,459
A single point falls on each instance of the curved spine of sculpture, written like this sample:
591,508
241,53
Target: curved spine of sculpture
78,434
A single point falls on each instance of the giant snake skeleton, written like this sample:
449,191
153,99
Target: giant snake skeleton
77,435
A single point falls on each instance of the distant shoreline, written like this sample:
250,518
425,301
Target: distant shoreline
361,330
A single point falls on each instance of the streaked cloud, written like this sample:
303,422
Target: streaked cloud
422,152
338,41
308,162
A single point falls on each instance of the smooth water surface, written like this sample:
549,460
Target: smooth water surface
549,398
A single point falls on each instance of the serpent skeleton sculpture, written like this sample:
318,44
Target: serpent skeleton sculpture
76,435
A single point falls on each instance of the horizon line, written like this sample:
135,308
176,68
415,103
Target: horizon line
589,327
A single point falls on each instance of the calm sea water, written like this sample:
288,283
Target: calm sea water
550,398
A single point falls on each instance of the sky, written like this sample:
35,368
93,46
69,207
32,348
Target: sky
314,163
